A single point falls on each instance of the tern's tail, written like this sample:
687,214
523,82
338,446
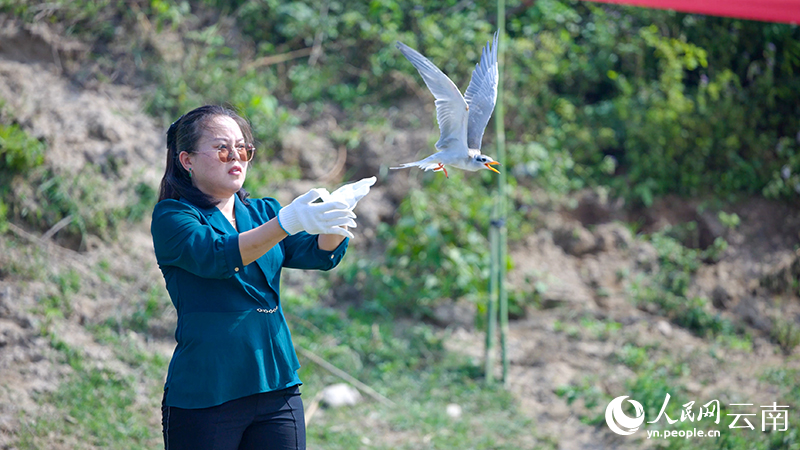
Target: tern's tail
424,164
405,166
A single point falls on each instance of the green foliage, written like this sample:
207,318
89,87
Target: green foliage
368,347
437,249
129,350
72,356
655,92
653,381
655,378
31,191
786,333
52,306
141,203
632,356
668,286
730,221
3,217
98,407
589,393
650,388
86,201
19,151
58,304
785,382
169,13
68,283
785,183
554,171
212,72
407,363
648,102
599,329
152,305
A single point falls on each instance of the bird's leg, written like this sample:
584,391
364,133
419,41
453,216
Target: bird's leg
440,168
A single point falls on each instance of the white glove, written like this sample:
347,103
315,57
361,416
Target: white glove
316,218
350,193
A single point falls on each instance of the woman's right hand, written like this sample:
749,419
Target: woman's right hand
316,218
350,193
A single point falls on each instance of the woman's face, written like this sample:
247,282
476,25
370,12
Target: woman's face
212,176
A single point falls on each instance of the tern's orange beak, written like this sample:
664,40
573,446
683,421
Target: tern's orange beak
490,164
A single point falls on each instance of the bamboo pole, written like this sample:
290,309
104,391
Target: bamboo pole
491,312
501,189
498,234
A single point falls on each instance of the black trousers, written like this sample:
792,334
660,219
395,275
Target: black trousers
268,421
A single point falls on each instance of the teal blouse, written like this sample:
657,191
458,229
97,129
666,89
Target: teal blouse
233,340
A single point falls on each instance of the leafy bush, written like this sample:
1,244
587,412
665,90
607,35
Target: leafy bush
646,101
437,249
212,72
674,107
19,151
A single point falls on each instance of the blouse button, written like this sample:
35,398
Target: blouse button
331,256
235,269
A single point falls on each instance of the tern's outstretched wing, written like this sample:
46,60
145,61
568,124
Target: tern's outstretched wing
451,108
481,94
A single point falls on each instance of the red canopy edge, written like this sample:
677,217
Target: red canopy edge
783,11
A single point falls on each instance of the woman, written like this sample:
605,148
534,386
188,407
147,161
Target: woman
232,381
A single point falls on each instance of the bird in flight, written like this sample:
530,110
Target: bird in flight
462,119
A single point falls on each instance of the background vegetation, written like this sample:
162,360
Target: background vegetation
650,102
637,102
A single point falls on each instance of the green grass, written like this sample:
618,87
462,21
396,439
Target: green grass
785,382
667,286
32,191
18,150
786,333
149,305
408,364
420,421
96,407
655,377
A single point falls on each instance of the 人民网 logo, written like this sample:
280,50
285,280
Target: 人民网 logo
618,421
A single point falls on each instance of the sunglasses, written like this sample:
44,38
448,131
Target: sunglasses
244,152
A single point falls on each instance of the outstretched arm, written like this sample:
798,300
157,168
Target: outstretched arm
256,242
329,242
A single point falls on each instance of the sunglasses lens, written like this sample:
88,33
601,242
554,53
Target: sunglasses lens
225,155
246,153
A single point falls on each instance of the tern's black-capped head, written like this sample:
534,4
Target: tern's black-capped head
485,162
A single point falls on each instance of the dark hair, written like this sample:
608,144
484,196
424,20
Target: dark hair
182,136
